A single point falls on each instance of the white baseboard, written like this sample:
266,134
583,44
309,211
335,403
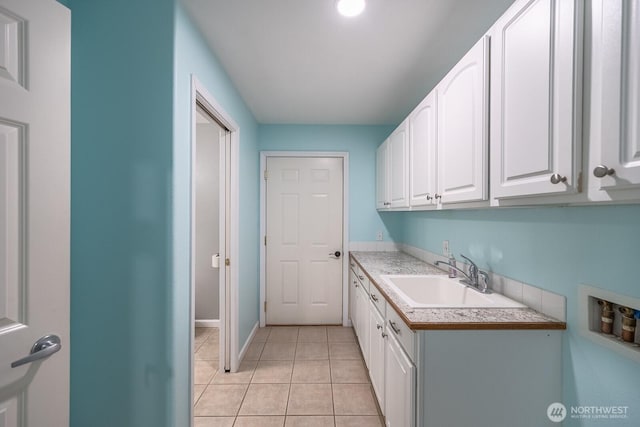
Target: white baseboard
245,347
207,323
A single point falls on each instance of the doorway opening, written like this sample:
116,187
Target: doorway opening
214,237
304,222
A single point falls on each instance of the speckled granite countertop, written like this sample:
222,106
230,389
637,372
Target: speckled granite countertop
375,264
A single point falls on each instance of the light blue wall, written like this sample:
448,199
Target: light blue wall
555,248
121,221
192,56
361,143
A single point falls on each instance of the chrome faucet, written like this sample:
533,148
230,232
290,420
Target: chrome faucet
475,279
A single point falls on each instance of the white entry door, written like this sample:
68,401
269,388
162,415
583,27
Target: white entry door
34,212
304,216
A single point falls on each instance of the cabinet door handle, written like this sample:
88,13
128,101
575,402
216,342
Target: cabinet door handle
378,326
556,178
394,327
374,297
361,277
601,171
384,335
438,196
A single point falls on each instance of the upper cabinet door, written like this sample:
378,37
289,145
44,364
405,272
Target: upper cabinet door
462,128
399,165
615,113
535,99
423,153
382,176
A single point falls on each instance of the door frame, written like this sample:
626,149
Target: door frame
228,298
345,224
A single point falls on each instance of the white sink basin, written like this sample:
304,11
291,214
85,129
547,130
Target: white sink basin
437,291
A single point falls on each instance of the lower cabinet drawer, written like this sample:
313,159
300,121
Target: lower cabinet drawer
406,337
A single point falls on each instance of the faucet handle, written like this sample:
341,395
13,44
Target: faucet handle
483,281
473,264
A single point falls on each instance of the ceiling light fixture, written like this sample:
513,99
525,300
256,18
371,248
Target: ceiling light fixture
350,8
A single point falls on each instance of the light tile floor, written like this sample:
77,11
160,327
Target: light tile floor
308,376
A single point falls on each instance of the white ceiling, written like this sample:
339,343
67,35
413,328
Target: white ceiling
298,61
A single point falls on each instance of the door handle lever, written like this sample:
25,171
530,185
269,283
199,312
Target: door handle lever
335,254
42,349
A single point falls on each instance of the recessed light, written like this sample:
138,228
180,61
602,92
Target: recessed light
350,8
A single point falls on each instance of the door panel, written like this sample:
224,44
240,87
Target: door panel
619,137
534,132
304,227
399,165
34,209
382,176
462,128
423,151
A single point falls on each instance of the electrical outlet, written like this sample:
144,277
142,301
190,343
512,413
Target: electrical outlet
445,247
379,236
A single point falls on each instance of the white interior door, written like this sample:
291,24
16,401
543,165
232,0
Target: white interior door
304,217
34,211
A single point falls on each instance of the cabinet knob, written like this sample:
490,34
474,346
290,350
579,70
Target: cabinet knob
374,297
361,277
556,178
387,203
438,196
429,197
378,326
601,171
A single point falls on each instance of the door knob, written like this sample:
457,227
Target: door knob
556,178
601,171
336,254
42,349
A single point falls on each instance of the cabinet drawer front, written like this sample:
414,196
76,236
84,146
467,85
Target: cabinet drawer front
364,280
399,329
378,300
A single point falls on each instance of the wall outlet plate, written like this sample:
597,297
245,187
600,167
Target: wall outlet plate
445,247
379,236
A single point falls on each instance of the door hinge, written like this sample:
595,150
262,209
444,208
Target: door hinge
227,262
265,240
580,182
265,174
265,306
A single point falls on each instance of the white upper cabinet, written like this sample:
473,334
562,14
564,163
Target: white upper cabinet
423,153
399,167
462,128
392,170
536,91
614,165
382,176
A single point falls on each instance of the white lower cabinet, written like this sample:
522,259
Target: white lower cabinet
353,283
399,385
500,378
377,350
362,313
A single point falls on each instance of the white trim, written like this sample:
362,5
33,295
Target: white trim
247,343
345,223
200,93
207,323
